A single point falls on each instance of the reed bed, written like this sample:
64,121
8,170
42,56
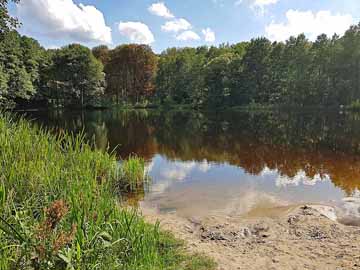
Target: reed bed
133,174
59,210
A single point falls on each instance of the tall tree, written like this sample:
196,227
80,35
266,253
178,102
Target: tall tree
350,63
76,76
218,81
298,58
102,53
256,71
7,22
20,58
130,72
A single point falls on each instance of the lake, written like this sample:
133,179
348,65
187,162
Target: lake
234,163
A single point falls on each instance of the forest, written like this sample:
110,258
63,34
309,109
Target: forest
298,72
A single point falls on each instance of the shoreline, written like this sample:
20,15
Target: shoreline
297,237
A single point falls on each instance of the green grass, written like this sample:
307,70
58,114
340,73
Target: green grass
354,106
59,210
132,174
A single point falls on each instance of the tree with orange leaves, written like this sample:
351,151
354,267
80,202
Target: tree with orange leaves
130,72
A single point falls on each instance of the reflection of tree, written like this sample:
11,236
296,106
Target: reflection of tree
314,143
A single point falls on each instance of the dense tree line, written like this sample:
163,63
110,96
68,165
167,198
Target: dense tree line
73,75
298,72
67,76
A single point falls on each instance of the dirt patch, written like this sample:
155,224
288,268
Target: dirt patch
301,237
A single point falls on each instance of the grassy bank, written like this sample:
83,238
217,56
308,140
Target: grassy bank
59,208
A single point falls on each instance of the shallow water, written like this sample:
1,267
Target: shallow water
230,164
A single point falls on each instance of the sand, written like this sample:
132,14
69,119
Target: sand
294,237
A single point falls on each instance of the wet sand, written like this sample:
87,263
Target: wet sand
284,237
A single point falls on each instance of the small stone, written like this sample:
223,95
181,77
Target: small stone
245,232
293,219
258,228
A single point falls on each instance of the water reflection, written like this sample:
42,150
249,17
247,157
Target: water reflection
217,158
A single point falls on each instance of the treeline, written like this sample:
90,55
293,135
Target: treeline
297,72
72,76
67,76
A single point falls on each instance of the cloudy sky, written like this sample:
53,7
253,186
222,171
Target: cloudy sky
169,23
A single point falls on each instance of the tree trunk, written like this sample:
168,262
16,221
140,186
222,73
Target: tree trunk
82,97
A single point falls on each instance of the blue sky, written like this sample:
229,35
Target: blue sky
179,23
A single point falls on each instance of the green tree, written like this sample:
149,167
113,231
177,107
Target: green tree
320,80
20,58
76,77
298,58
255,75
349,63
278,74
218,81
7,22
4,78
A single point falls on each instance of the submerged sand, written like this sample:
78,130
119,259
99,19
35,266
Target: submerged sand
292,237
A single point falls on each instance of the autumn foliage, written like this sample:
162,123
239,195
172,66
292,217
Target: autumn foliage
130,71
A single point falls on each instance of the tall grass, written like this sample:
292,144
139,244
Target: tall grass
354,106
58,208
133,174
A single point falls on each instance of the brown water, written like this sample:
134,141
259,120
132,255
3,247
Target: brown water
231,163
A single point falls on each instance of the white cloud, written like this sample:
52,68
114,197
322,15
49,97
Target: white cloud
238,3
300,178
178,171
137,32
209,35
187,36
312,24
258,6
52,47
159,9
264,3
171,172
219,2
64,19
176,25
181,170
204,166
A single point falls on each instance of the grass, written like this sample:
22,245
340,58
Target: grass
59,210
354,106
133,174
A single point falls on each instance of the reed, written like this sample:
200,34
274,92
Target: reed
133,174
58,208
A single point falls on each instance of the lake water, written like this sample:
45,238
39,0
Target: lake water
232,164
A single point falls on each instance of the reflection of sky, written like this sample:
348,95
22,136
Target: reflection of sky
177,183
299,179
165,173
